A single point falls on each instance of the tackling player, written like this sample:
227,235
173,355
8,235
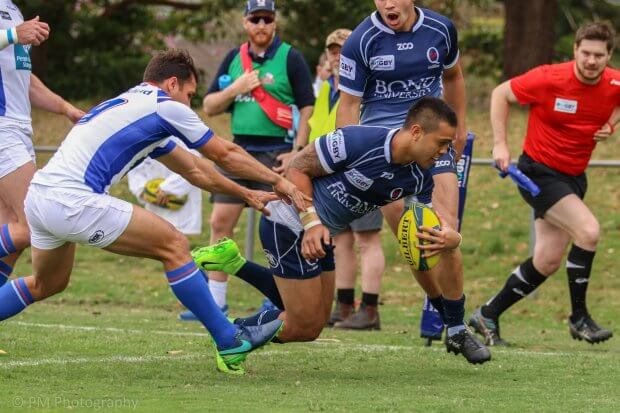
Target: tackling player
68,200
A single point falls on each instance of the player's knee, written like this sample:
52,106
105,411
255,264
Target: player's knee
589,235
220,225
307,330
368,241
177,248
20,234
44,288
549,264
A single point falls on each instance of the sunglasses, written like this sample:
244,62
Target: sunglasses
265,19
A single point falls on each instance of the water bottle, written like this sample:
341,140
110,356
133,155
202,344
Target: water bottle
224,81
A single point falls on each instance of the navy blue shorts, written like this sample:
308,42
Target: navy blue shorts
282,248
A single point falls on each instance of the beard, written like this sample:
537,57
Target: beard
262,39
583,73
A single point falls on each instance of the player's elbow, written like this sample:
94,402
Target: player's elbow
208,106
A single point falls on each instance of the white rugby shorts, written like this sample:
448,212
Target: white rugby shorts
15,146
59,215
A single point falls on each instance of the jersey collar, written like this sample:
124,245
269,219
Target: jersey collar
378,22
387,146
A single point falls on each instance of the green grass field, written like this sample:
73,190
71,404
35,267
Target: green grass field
112,341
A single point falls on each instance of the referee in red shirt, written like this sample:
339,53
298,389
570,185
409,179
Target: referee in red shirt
572,108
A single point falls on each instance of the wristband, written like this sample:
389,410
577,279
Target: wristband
611,126
8,37
311,224
460,240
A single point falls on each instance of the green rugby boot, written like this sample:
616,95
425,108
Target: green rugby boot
249,338
222,256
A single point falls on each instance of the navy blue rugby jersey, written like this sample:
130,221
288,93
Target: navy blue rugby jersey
361,175
391,70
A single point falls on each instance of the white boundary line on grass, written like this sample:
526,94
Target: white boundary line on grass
322,343
92,360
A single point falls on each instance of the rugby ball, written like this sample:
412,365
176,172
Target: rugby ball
415,216
149,194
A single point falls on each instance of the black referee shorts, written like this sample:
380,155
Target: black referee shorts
553,185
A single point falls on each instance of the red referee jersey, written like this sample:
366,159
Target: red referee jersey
564,114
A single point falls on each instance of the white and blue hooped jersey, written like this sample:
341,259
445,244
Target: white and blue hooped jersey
116,135
15,69
391,70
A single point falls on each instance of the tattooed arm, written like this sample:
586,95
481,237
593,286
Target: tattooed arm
303,167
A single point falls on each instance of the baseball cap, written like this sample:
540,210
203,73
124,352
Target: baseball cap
253,6
338,36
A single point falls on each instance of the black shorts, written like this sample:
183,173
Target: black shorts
269,159
553,185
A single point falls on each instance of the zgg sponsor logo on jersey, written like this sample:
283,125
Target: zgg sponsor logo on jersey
335,146
614,82
385,62
405,89
565,105
347,67
358,180
338,191
404,46
439,164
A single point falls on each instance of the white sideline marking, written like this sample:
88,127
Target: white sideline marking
88,360
112,329
321,342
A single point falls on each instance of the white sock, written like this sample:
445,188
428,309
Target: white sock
218,291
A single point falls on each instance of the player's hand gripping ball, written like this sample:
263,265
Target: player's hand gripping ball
414,217
150,195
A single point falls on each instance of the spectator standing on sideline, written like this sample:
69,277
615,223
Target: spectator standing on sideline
278,71
323,71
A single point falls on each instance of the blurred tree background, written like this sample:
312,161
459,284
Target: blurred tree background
100,47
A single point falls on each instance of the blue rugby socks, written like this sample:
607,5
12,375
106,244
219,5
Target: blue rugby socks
261,278
454,313
5,272
14,298
6,242
190,286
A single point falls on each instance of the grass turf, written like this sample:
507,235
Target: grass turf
112,338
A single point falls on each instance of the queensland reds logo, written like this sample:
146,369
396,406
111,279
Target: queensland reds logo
396,193
273,262
432,54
